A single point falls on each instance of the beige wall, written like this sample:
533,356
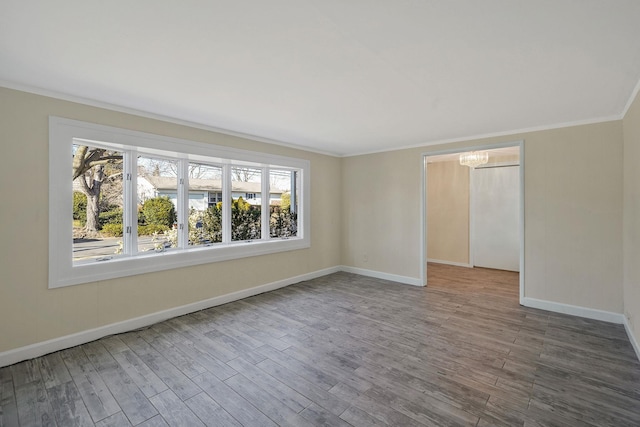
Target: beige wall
381,212
573,216
365,214
631,280
31,313
573,213
448,212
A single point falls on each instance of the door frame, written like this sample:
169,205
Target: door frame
424,216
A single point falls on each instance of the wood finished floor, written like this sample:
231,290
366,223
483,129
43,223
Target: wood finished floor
343,350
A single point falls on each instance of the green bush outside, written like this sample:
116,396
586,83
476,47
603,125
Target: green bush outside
158,215
113,216
155,215
112,230
282,222
80,207
245,220
141,220
245,223
211,224
110,215
159,210
149,229
115,229
285,201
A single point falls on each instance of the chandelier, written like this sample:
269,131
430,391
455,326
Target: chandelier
474,159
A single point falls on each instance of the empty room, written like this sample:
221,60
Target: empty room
306,213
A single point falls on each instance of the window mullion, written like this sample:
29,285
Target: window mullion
183,203
266,201
293,193
226,203
130,202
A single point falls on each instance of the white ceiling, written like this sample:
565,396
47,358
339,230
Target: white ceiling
336,76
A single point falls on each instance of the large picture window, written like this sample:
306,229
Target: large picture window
125,202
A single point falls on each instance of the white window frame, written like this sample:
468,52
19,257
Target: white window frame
63,133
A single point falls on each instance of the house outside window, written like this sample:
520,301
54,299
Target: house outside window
215,198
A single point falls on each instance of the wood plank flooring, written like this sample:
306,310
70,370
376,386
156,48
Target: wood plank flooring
343,350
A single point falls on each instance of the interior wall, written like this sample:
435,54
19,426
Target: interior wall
32,313
381,198
573,212
631,233
448,212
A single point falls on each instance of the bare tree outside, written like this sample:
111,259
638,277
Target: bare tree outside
280,179
96,169
245,174
202,171
159,167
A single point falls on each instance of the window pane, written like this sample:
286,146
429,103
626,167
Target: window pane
157,204
205,204
283,203
246,190
97,203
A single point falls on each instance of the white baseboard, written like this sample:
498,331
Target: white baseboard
380,275
574,310
39,349
632,338
457,264
589,313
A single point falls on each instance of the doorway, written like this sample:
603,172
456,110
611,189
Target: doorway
476,215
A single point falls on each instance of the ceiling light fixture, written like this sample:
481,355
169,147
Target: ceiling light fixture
473,159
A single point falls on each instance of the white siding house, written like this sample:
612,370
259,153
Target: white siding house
203,192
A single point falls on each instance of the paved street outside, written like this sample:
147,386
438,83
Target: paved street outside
105,247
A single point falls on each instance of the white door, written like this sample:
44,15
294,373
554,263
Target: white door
495,204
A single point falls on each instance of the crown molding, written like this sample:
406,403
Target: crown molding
148,115
631,99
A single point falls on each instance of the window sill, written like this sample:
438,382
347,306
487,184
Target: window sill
122,266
